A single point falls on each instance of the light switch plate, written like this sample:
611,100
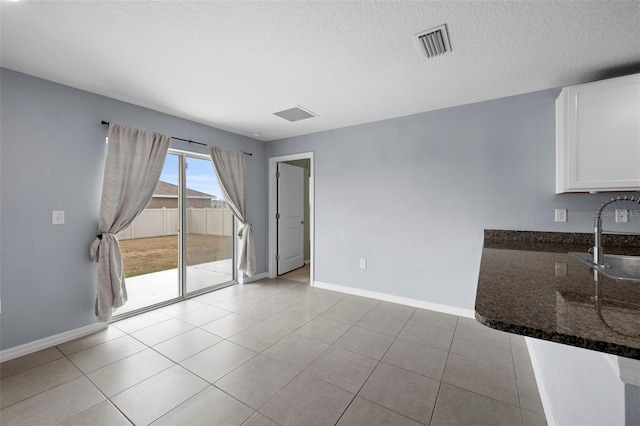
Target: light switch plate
57,217
363,263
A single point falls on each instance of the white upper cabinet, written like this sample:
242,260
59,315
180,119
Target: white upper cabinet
598,136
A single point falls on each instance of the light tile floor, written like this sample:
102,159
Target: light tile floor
278,352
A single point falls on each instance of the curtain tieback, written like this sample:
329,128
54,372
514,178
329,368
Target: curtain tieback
245,225
94,249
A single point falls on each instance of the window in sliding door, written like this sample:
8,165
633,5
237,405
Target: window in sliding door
182,243
150,246
209,225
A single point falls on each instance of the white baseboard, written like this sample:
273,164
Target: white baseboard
546,403
247,280
50,341
453,310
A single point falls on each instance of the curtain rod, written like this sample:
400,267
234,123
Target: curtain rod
106,123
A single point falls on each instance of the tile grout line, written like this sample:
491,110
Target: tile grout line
377,365
444,370
323,352
85,375
356,353
253,357
154,375
82,375
261,353
225,339
355,395
296,329
479,394
153,349
515,374
109,399
96,387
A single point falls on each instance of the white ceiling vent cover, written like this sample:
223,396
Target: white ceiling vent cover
296,113
433,42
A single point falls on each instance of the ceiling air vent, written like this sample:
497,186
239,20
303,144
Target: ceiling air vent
433,42
295,114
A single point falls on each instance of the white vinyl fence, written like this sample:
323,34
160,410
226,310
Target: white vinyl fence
164,221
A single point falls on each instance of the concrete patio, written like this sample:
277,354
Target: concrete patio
149,289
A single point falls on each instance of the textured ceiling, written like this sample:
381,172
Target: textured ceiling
232,64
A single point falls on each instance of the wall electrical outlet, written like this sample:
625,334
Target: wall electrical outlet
363,263
622,215
57,217
561,215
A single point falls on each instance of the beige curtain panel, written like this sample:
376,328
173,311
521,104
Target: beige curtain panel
132,169
229,167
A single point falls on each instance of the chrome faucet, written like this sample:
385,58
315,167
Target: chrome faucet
598,253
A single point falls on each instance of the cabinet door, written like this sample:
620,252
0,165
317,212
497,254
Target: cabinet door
601,136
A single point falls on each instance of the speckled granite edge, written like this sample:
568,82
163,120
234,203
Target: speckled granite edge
573,238
560,242
580,342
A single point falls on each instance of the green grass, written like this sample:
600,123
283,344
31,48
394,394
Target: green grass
145,255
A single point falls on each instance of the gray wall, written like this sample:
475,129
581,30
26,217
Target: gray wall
52,156
414,194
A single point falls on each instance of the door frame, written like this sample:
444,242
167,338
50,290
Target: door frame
273,206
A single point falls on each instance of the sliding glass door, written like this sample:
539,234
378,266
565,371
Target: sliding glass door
209,225
182,243
150,246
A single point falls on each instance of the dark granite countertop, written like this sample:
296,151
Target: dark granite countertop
530,285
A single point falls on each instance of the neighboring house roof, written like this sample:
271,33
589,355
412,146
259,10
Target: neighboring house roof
169,190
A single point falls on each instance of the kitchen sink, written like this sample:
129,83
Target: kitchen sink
615,266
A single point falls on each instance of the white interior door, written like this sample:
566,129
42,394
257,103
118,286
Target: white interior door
290,218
